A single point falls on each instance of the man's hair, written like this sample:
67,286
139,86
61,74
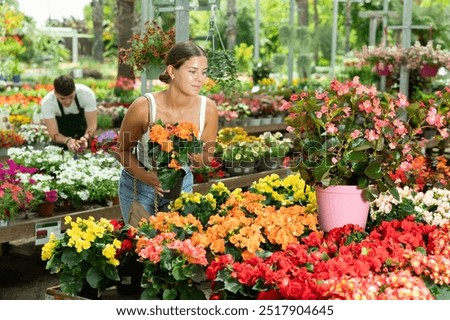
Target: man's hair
64,85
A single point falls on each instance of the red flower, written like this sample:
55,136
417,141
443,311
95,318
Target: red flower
269,295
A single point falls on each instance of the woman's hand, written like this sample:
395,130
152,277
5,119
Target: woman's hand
151,178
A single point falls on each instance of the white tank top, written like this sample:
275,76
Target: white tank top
142,148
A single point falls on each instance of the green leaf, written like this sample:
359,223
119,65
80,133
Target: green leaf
321,171
356,156
197,273
177,273
169,294
94,276
440,292
394,192
71,257
111,272
359,167
232,285
368,195
169,177
373,171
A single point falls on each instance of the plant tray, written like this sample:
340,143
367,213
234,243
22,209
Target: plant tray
55,293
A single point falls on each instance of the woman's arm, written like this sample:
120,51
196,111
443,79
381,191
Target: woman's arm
134,125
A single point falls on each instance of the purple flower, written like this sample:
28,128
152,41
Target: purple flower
51,196
108,135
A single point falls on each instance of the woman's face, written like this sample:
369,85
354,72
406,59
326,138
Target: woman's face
191,76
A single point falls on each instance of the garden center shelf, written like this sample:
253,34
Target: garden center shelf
24,228
264,128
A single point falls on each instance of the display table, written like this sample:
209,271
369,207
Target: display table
24,228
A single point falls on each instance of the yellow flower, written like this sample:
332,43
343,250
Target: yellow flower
109,251
49,248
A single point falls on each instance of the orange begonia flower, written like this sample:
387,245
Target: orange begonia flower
174,164
167,146
158,134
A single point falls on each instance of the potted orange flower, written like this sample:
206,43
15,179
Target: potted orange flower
169,148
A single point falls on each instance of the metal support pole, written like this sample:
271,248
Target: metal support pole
334,38
406,43
384,38
373,22
256,37
75,47
291,44
182,20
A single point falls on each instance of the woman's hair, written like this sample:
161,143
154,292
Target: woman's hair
179,54
64,85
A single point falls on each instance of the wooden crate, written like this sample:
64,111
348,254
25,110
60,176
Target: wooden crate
54,293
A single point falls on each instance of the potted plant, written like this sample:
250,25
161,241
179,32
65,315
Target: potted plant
242,154
169,148
35,135
147,51
205,173
352,136
174,266
85,257
277,146
130,268
427,59
385,59
44,190
15,192
9,139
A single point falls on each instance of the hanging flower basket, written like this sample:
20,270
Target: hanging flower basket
382,69
154,70
428,71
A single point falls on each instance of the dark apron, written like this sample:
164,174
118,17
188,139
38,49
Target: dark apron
72,125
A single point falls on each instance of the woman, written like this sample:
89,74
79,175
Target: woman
185,74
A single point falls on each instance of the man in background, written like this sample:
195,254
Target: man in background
70,113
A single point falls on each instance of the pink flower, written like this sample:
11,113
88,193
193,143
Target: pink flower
371,135
355,134
331,128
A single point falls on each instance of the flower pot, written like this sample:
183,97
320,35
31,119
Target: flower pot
4,223
130,273
89,293
3,152
175,192
277,119
46,209
65,205
428,71
238,168
16,78
154,70
382,69
269,163
266,120
341,205
112,201
254,121
163,3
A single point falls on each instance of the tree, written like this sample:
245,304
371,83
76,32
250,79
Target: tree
125,22
97,18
